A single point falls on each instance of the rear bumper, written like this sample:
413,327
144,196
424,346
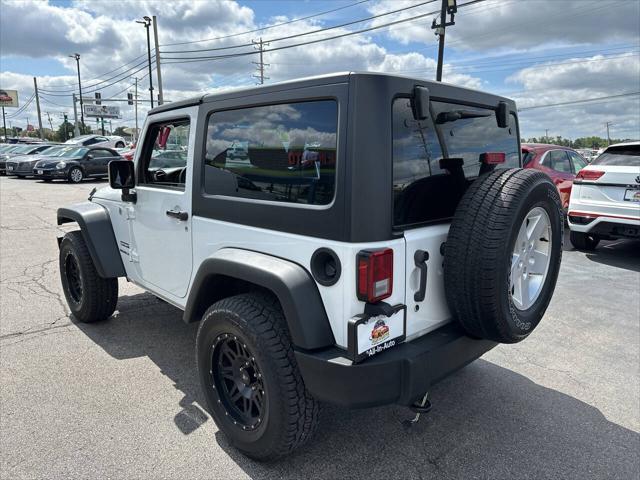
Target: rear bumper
398,376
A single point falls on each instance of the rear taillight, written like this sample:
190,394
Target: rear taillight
492,158
589,174
375,275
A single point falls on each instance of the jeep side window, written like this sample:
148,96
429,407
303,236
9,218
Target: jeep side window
282,153
164,155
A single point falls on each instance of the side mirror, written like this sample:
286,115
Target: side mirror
420,103
502,115
122,177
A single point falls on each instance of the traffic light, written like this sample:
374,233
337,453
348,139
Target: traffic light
98,97
130,98
65,117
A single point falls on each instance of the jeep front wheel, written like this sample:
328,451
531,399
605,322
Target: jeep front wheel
502,254
90,297
250,378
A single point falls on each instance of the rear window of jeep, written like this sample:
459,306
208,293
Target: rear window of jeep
281,153
423,192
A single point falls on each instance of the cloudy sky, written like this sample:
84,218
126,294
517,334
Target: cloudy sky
539,52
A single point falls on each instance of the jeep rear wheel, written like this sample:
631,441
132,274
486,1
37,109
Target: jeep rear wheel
90,297
583,241
250,378
502,254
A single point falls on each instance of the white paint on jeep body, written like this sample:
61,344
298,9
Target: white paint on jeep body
164,254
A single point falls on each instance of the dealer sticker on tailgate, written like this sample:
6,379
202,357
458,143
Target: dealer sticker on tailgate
373,334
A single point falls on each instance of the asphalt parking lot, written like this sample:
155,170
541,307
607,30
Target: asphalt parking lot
121,399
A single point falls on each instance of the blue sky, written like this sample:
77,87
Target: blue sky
536,51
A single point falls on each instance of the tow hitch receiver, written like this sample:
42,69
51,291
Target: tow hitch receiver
418,408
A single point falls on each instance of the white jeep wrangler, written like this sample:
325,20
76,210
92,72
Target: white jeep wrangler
350,238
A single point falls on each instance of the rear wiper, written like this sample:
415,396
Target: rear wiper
453,115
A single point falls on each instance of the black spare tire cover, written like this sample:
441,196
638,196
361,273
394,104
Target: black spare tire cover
502,254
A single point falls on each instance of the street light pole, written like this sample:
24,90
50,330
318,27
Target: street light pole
147,23
77,57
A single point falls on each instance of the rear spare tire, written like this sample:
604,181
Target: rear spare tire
502,254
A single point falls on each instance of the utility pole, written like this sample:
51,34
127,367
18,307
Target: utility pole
147,23
4,125
608,124
35,86
50,122
450,7
76,129
77,57
158,72
546,135
135,102
259,45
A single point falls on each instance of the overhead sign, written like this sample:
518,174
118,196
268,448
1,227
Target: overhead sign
8,98
105,111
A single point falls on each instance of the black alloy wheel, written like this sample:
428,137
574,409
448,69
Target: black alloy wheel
238,379
74,277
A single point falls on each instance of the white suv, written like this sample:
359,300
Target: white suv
605,198
352,239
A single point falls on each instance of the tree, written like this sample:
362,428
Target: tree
121,132
64,132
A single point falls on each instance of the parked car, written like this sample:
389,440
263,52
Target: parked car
22,165
5,149
290,271
126,153
14,158
605,200
75,164
560,163
112,141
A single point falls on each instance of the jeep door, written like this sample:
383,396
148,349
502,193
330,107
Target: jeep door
161,229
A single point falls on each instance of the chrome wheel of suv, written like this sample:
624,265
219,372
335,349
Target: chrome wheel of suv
530,258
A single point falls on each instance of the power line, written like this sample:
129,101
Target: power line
574,102
320,30
98,77
242,54
23,107
289,22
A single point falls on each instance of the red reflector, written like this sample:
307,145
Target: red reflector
375,275
492,158
585,174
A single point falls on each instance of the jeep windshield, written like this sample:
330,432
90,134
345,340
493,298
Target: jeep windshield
426,191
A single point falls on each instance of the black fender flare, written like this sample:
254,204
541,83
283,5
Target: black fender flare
95,225
292,284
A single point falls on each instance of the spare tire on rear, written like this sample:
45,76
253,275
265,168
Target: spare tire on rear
502,254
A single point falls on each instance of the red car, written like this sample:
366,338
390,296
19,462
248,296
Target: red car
560,163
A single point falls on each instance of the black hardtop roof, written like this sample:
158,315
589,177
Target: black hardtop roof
438,89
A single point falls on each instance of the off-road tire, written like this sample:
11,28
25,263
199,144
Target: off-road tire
99,295
70,176
291,413
479,250
583,241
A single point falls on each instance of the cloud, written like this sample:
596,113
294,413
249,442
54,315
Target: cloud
517,24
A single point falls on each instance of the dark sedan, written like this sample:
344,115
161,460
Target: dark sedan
13,158
74,164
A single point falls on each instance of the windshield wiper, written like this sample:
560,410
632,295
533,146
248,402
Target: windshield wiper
453,115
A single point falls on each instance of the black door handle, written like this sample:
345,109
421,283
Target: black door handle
182,216
420,258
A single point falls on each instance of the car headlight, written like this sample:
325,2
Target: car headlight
61,165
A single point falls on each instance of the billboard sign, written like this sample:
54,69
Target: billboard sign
105,111
8,98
